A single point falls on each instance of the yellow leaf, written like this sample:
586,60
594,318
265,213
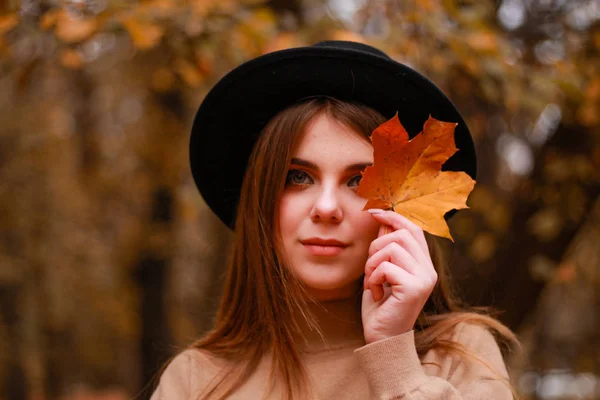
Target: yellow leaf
145,35
188,72
450,6
406,175
229,7
438,63
71,59
162,8
50,18
485,42
284,40
592,91
429,6
74,30
205,60
587,114
244,45
472,66
7,22
261,21
201,8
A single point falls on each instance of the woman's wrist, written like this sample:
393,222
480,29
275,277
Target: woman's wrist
373,338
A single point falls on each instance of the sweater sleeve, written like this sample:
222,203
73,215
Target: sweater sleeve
175,382
394,370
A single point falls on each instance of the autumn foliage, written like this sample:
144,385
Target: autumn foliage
109,259
407,175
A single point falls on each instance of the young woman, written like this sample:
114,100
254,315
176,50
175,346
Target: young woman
323,300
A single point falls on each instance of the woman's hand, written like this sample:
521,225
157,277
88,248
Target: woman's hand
399,277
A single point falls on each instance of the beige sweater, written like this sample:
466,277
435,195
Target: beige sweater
347,369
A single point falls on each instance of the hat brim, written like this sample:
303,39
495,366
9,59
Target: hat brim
238,107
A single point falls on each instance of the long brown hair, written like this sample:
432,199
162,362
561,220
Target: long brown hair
261,295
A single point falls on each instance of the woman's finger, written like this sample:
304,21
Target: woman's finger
405,239
390,273
383,230
396,254
397,221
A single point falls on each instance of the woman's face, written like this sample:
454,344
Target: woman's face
325,234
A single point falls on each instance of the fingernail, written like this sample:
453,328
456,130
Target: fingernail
375,210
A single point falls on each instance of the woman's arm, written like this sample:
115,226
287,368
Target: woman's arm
394,370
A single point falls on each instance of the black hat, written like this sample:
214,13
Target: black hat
239,106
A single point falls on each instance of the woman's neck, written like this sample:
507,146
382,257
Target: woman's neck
339,322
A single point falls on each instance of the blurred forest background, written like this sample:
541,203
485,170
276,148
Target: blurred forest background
110,261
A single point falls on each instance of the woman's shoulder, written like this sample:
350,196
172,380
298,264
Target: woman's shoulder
200,357
186,373
473,335
478,351
196,362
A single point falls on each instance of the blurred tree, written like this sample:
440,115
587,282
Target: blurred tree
107,250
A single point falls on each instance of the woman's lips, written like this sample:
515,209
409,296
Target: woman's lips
324,247
328,251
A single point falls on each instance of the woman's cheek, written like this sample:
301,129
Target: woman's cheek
368,229
370,226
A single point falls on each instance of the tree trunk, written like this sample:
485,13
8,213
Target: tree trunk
14,384
151,276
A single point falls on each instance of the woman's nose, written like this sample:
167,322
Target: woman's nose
327,207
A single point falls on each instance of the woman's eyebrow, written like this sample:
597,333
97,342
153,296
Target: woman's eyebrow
308,164
358,166
304,163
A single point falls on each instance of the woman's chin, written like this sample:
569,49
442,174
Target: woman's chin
324,290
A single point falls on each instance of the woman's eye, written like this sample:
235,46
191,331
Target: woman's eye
297,177
355,181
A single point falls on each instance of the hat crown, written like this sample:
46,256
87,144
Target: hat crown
348,45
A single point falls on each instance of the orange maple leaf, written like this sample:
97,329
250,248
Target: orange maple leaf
407,175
